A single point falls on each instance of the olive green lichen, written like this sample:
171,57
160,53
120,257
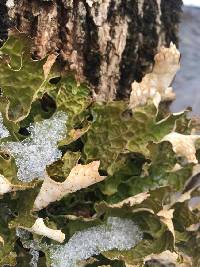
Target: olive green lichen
142,177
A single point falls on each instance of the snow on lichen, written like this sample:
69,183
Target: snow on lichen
22,233
155,85
33,154
183,145
3,131
35,257
120,234
33,245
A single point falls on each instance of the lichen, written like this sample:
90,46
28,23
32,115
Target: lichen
155,85
81,176
183,145
35,257
40,228
5,186
115,183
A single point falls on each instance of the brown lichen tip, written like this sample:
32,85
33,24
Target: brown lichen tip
155,85
81,176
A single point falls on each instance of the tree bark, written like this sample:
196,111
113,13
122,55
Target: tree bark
107,43
4,22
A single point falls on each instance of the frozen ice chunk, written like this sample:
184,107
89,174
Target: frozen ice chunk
33,154
3,131
121,234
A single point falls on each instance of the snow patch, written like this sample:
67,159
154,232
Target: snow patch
121,234
33,154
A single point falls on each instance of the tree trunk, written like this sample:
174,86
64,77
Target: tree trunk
4,22
107,43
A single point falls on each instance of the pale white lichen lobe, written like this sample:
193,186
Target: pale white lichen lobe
40,228
117,233
183,145
81,176
33,154
156,85
5,185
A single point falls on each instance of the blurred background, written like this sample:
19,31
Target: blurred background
187,82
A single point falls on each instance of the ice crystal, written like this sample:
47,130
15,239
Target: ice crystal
35,257
33,154
3,131
121,234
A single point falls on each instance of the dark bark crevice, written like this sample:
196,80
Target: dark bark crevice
5,22
150,39
170,19
128,65
91,54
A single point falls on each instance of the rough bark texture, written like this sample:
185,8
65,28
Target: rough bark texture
4,22
108,43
